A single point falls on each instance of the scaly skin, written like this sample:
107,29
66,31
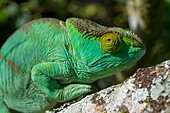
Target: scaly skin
49,61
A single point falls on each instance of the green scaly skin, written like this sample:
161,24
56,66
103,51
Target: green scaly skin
49,61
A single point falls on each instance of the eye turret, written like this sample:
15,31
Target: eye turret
110,42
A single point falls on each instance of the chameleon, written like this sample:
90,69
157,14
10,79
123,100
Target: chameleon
48,61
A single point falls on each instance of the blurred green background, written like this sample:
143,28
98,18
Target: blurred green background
150,19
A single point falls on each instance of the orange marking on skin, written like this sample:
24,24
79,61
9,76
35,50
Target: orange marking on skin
11,64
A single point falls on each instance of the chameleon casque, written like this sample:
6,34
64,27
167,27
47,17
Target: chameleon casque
48,61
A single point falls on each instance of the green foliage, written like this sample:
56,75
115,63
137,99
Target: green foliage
166,19
15,13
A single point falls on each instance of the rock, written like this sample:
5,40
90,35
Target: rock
147,91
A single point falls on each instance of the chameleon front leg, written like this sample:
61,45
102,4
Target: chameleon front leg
47,75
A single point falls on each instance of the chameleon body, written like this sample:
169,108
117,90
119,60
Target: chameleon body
48,61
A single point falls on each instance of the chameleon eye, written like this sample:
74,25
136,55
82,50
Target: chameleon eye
110,42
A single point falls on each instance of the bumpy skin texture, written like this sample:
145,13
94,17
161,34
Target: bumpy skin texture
49,61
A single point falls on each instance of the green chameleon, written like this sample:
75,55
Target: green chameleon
48,61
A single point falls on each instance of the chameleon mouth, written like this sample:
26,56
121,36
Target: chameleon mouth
137,54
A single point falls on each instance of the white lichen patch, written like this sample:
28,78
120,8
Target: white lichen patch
167,64
140,94
115,99
131,84
149,109
167,91
121,98
48,111
157,81
158,89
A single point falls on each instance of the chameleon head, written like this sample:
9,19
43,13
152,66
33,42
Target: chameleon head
102,51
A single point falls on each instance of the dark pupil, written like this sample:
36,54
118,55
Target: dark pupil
109,40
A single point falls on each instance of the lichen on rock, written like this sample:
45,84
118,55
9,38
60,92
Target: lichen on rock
147,91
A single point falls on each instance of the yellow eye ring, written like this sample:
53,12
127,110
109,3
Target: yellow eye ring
110,42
